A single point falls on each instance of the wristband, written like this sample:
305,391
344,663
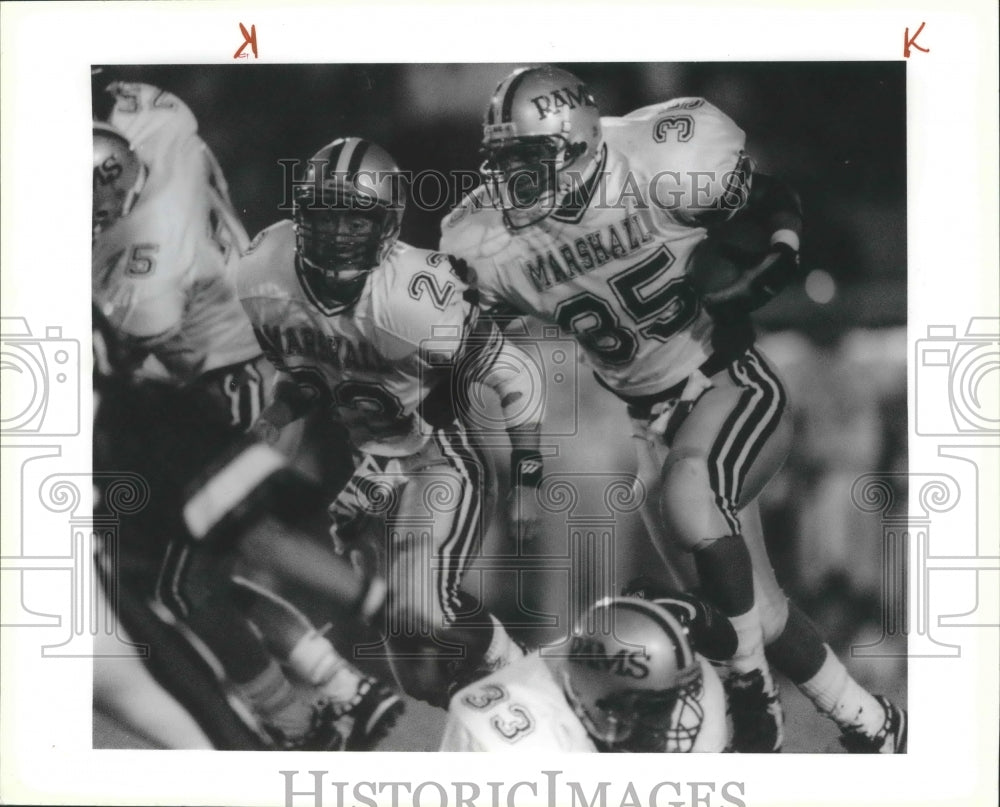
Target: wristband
525,468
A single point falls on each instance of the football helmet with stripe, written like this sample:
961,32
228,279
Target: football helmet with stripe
541,140
633,679
348,211
119,175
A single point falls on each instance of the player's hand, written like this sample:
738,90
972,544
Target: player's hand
524,515
757,285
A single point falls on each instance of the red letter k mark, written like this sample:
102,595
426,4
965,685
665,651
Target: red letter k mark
251,40
908,42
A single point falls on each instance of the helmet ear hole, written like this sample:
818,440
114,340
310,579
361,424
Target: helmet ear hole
575,150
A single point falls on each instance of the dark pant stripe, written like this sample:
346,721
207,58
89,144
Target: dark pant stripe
457,550
745,432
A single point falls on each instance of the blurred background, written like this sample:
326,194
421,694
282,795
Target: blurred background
835,131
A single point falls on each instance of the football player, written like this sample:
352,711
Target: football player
386,338
587,223
636,679
165,243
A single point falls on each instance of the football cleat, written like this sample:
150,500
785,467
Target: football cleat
322,734
890,739
758,719
368,717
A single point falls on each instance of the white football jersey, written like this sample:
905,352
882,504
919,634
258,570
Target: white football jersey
162,275
608,266
374,364
521,707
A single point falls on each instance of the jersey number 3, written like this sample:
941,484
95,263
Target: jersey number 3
660,310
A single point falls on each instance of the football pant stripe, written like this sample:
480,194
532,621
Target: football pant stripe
734,463
457,549
748,428
718,458
169,586
777,400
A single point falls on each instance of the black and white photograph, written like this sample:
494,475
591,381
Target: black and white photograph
535,269
538,407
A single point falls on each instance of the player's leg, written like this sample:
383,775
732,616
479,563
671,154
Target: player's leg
650,457
733,440
795,647
195,586
793,644
126,691
364,708
440,637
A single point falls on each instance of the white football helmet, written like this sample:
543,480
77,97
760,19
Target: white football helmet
348,211
119,175
541,140
633,679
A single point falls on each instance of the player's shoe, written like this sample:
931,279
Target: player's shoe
890,739
322,734
758,719
369,716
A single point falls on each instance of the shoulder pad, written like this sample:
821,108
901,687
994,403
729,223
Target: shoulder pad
271,249
693,152
474,230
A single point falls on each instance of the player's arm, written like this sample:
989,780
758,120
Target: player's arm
479,353
774,208
288,404
147,310
253,498
489,358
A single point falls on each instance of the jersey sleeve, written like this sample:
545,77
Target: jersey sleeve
429,310
695,157
255,289
468,233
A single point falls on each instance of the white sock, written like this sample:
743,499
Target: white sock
273,698
838,696
316,661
